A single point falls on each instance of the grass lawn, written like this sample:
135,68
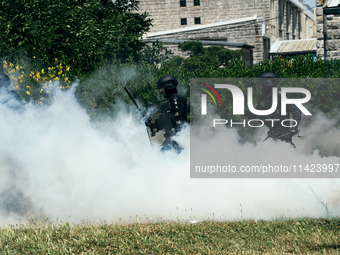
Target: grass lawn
291,236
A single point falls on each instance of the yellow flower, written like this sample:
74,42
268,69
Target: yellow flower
42,71
67,68
11,65
28,87
17,67
66,79
5,66
42,98
28,93
33,56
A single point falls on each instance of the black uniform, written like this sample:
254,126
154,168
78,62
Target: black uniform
178,105
276,130
174,114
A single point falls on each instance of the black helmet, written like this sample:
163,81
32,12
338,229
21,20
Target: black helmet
4,80
269,79
167,82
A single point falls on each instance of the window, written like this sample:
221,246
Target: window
272,17
281,17
266,47
198,20
288,17
183,21
294,21
196,3
182,3
299,24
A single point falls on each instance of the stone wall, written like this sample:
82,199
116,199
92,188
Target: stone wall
166,14
332,29
246,32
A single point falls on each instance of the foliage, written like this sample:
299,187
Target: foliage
141,79
51,41
82,34
36,85
201,57
99,91
291,236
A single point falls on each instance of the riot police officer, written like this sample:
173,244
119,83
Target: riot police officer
166,87
266,82
172,110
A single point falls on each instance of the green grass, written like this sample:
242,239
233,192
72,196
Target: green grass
293,236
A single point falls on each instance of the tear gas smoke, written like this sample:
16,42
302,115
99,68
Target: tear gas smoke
56,163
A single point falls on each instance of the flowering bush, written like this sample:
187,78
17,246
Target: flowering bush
36,85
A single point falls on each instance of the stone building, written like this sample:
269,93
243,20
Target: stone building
328,28
252,22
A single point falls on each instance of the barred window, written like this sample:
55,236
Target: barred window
184,21
196,2
182,3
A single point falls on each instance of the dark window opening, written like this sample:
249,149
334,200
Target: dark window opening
183,21
197,20
196,2
182,3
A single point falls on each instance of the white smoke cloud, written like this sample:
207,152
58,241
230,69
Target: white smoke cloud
56,163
